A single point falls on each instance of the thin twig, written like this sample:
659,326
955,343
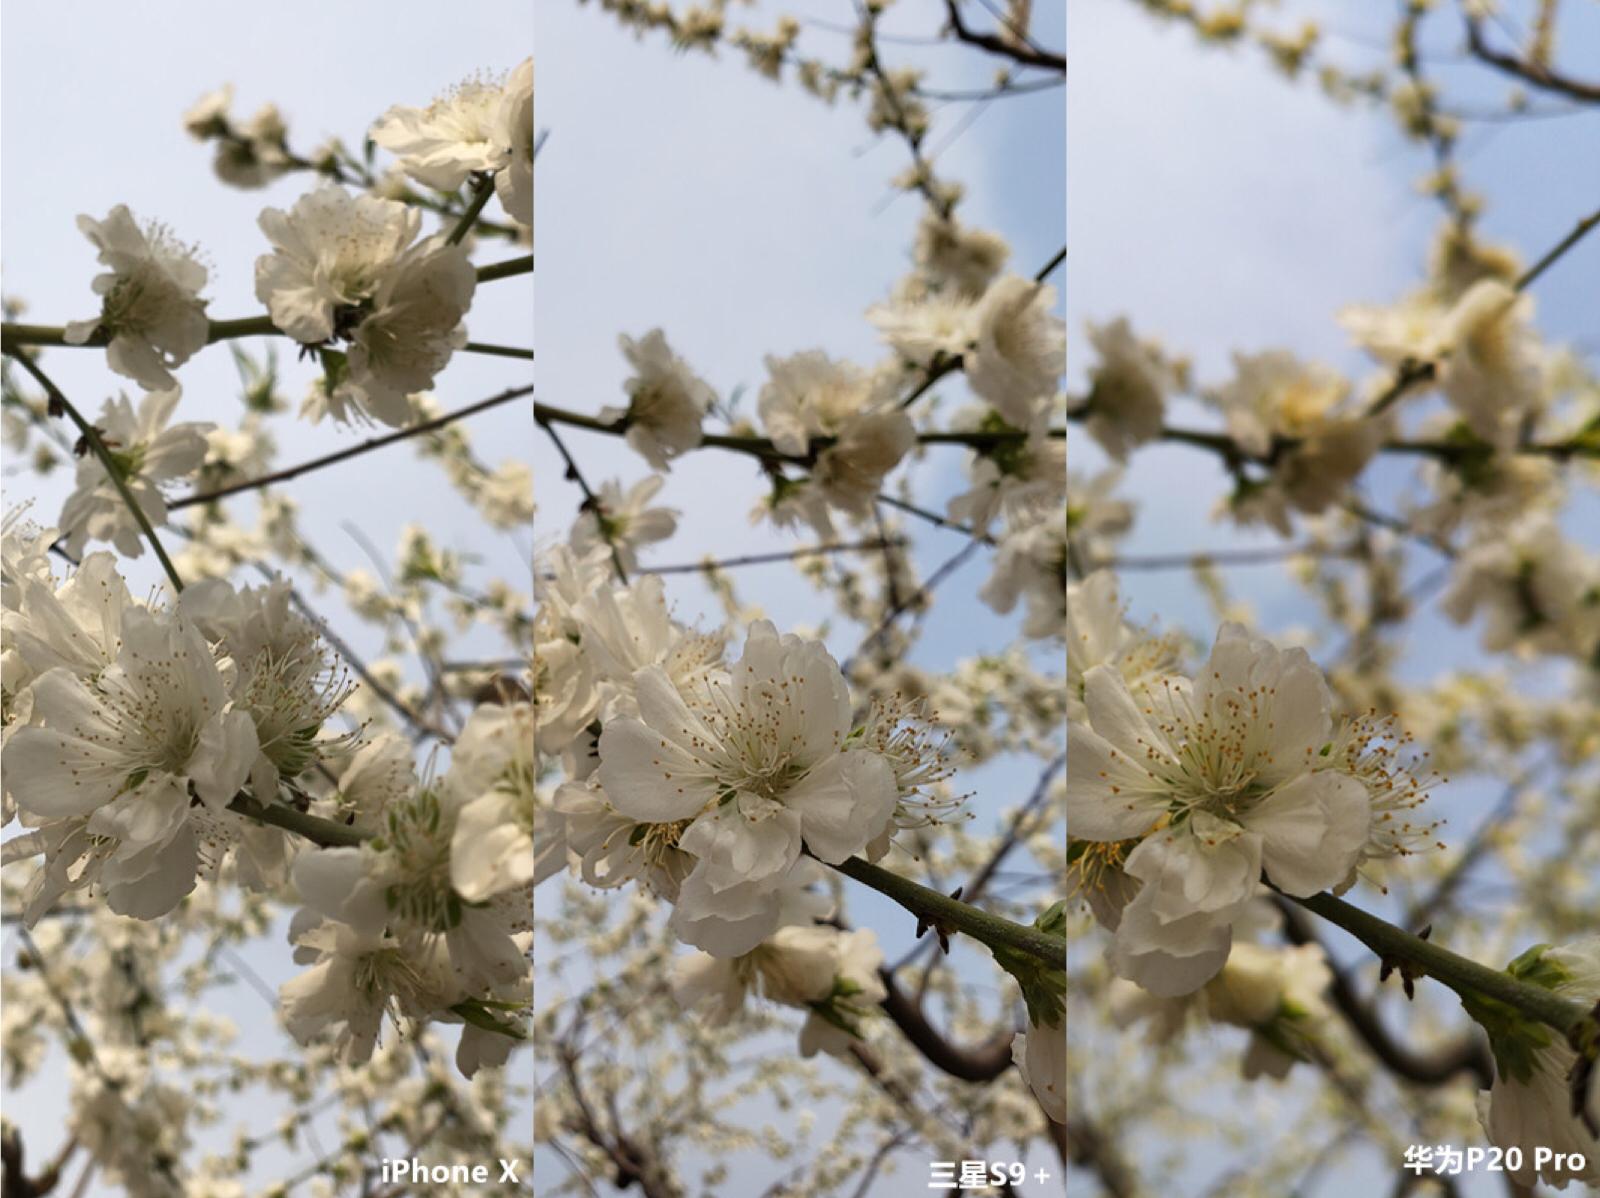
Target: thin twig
759,559
591,502
414,430
91,436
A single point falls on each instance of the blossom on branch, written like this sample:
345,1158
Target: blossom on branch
150,308
348,268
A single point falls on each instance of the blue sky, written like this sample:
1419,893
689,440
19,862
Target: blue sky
748,219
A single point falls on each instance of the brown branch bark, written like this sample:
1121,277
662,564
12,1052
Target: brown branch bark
1467,1055
1537,74
979,1063
1016,49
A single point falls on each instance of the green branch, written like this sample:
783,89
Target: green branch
951,914
1467,978
319,831
92,438
480,196
510,268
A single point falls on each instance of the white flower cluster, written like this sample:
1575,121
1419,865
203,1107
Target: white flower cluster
146,451
349,267
1275,993
131,729
837,430
431,918
135,731
831,975
715,784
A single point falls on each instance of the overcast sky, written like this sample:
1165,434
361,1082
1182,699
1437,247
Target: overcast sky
94,95
1210,202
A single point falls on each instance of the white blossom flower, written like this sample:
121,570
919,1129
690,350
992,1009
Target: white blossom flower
122,750
147,453
505,496
1275,394
809,396
1098,633
439,146
513,182
208,117
564,694
794,967
1274,992
150,304
1532,585
754,764
479,126
613,849
401,881
1493,370
1295,412
922,331
1012,477
850,472
1019,350
1128,389
497,846
1408,331
626,629
950,257
255,153
345,266
1532,1105
330,252
835,1021
413,328
1040,1055
24,555
1278,994
622,521
380,772
1218,780
283,675
76,626
1032,563
357,976
666,401
234,455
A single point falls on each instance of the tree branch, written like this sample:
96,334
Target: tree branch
1530,72
1467,1055
92,438
1018,51
942,911
414,430
1455,971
